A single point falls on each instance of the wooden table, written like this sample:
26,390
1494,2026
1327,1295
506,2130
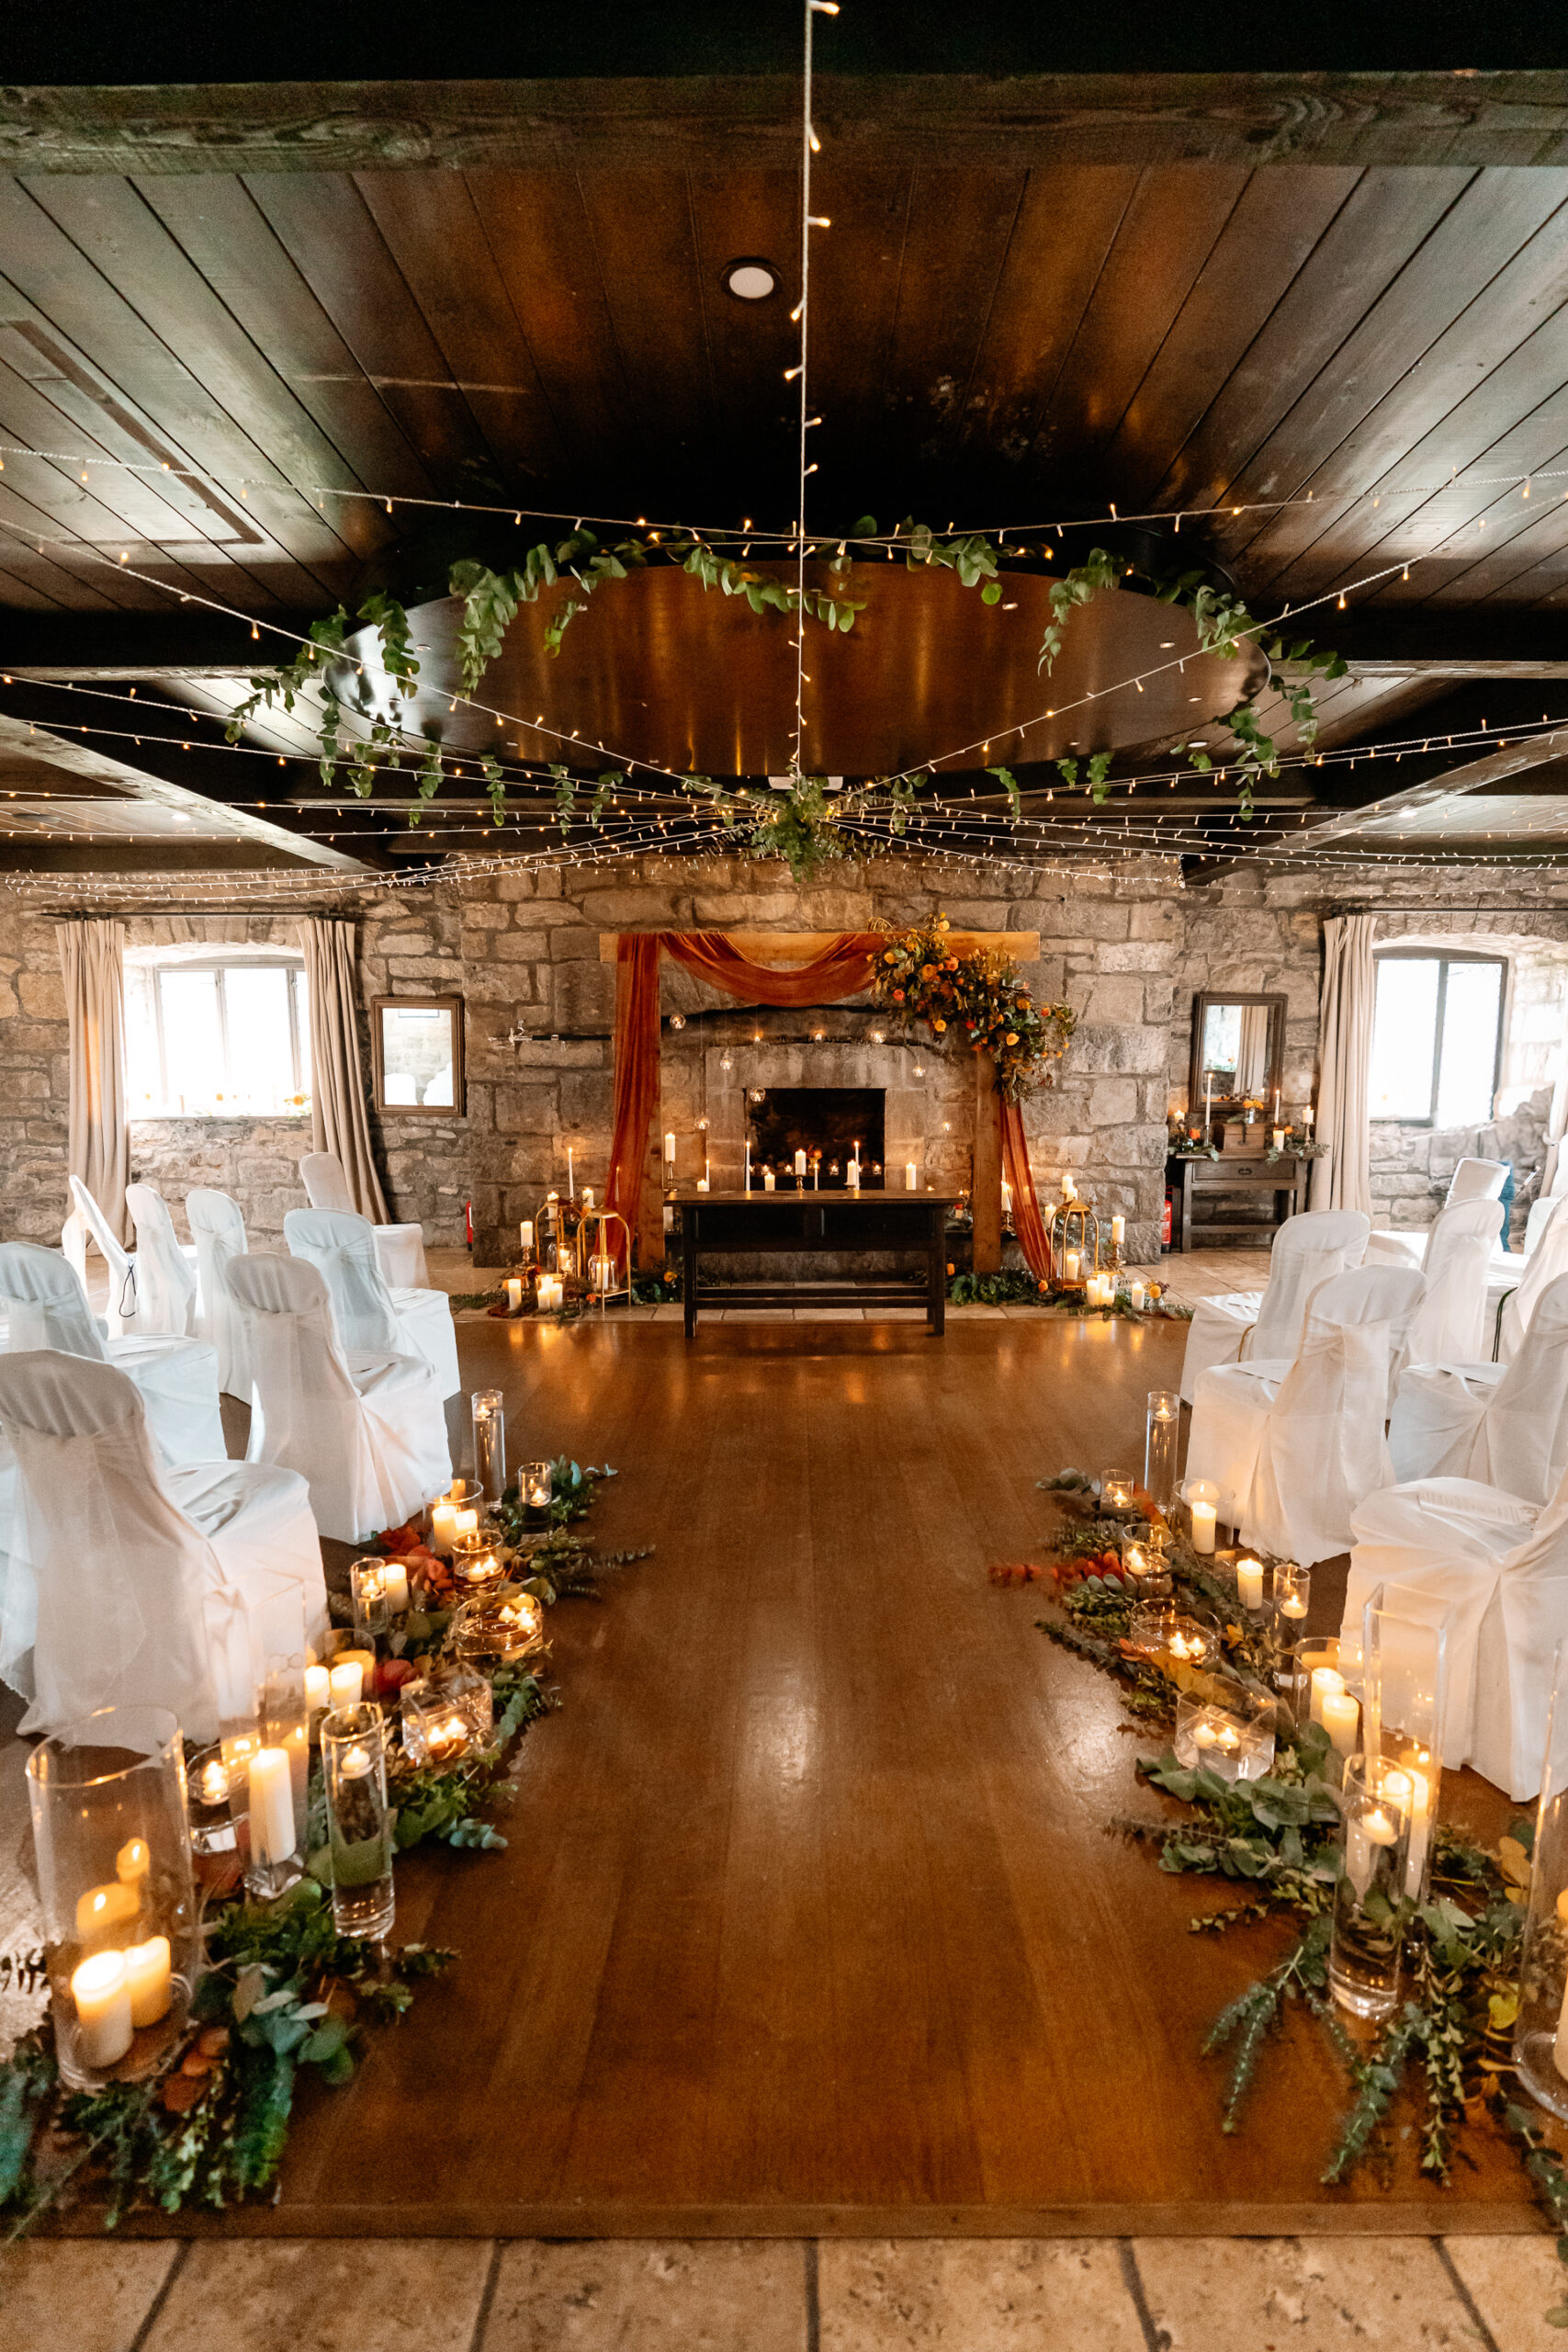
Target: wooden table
1248,1174
846,1223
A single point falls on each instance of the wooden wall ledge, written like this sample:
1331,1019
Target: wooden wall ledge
783,948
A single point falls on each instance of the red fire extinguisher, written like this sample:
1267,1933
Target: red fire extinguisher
469,1220
1165,1223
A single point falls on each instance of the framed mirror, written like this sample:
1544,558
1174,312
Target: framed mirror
417,1047
1238,1044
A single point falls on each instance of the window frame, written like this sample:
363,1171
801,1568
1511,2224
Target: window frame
293,965
1442,958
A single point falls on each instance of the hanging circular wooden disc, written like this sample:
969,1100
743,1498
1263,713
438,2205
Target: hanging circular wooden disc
656,667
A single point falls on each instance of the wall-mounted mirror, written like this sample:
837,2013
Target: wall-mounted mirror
417,1044
1238,1042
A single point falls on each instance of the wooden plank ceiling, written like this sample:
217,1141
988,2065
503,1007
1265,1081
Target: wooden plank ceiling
1381,344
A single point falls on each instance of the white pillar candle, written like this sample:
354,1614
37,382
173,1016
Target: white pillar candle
102,1907
396,1578
1118,1230
1138,1298
702,1183
800,1164
1307,1121
526,1230
514,1292
272,1792
1249,1583
318,1689
1340,1717
1420,1829
1325,1682
1006,1198
1278,1138
669,1147
1070,1190
1204,1515
133,1862
101,1991
854,1176
443,1525
769,1182
466,1522
1069,1266
911,1177
148,1980
345,1688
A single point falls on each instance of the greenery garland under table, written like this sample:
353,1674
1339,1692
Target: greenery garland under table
280,1989
1275,1842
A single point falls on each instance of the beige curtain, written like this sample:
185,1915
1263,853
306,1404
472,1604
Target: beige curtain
1252,1053
98,1139
339,1119
1344,1063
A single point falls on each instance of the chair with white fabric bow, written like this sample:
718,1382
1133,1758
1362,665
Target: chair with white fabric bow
342,1247
1472,1179
1504,1424
1242,1324
366,1430
1294,1446
47,1307
399,1247
165,1270
1450,1322
218,1227
1493,1569
1546,1261
111,1558
121,1313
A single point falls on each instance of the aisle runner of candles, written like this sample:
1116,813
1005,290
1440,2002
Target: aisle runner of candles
242,1934
1310,1779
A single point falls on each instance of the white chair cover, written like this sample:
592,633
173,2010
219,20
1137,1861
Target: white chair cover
1306,1250
1472,1179
368,1315
103,1593
122,1312
217,1226
1450,1322
1494,1569
1504,1424
1546,1261
1293,1447
165,1277
367,1431
399,1247
46,1306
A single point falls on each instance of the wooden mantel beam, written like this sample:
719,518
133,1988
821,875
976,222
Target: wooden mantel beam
782,948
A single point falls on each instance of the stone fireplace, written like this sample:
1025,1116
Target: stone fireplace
833,1126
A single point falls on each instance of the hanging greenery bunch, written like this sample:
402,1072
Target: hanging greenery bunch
1275,1844
979,1000
281,1990
359,736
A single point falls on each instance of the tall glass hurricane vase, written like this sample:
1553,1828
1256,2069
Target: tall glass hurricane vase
1162,1429
490,1443
107,1798
257,1646
359,1820
1541,2034
1367,1943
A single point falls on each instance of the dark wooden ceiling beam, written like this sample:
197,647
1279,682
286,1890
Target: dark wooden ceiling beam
1014,121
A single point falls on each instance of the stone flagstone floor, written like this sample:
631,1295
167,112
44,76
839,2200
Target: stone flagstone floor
1405,2294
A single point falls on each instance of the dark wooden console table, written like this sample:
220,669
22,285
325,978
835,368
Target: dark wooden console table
1245,1175
807,1222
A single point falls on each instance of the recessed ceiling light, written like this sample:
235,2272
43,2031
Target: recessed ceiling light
751,280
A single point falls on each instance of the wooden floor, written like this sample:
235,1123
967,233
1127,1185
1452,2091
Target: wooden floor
812,1921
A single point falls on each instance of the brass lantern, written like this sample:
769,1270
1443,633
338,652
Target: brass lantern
1074,1229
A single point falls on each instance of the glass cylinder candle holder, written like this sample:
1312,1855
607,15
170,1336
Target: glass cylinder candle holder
360,1821
1193,1640
506,1625
489,1443
446,1717
1292,1599
1149,1630
109,1802
372,1614
1203,1498
258,1655
1369,1933
1145,1568
538,1492
1117,1489
1396,1663
1316,1676
1162,1427
1229,1727
477,1565
207,1805
1540,2033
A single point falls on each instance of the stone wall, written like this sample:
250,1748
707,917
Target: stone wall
35,1083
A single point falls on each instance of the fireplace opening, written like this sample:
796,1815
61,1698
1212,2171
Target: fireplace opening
831,1125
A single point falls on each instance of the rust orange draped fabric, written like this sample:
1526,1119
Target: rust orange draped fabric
1028,1225
843,970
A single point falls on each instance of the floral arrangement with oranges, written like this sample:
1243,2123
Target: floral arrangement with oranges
978,1000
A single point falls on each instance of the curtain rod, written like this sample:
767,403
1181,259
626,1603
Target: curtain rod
1372,907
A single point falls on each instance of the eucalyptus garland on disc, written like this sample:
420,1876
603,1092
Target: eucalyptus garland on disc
281,1990
1275,1844
803,826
